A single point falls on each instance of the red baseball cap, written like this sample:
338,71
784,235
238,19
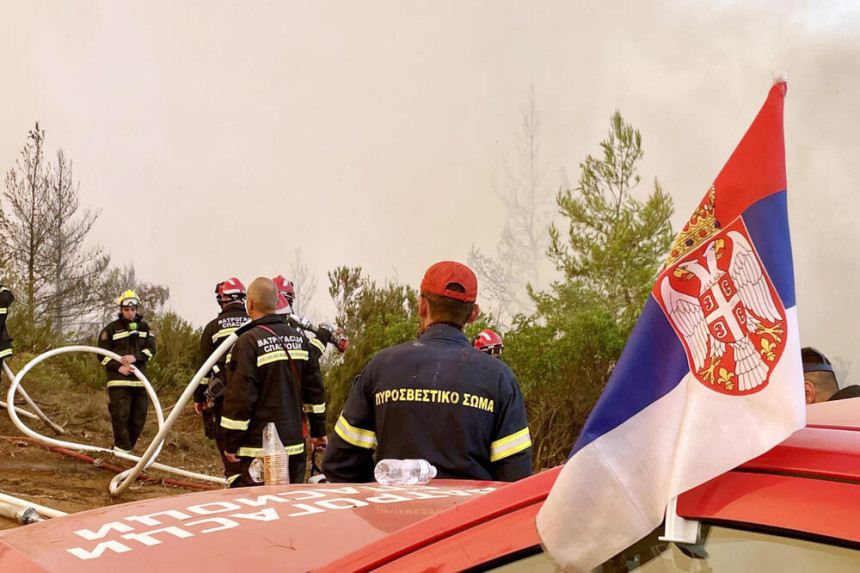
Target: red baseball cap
440,277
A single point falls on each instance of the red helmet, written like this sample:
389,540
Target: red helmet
285,287
231,289
283,307
489,342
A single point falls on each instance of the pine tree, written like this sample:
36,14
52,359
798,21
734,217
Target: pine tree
74,269
609,256
520,250
44,230
614,242
26,225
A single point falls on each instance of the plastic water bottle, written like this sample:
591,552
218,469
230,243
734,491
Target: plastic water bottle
276,461
404,472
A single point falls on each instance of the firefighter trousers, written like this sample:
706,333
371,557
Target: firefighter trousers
127,407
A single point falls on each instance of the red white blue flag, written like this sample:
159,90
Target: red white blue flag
711,375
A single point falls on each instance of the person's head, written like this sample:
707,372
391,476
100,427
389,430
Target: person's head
489,342
231,290
128,303
286,292
819,380
262,298
448,293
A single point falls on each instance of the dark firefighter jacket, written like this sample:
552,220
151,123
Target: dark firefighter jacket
231,317
127,337
6,299
262,388
436,398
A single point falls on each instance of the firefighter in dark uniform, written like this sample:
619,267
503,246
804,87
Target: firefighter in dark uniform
6,300
436,398
208,396
315,409
268,379
131,338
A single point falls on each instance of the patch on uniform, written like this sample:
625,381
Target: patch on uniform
103,335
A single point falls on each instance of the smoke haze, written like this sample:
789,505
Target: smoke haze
219,137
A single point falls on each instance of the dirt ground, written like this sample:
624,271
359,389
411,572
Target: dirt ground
32,472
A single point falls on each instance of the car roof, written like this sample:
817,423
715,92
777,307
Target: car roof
269,528
502,522
447,525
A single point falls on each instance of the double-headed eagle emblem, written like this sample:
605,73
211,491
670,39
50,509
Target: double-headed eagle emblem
727,314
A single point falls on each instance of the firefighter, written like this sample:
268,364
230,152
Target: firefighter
315,408
489,342
209,394
269,377
6,299
436,398
820,384
130,337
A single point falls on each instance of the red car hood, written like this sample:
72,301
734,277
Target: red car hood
276,528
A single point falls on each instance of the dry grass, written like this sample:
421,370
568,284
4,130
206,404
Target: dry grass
82,411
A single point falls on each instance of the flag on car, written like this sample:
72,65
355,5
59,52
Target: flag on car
711,375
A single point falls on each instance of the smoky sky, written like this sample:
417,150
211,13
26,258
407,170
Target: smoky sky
216,138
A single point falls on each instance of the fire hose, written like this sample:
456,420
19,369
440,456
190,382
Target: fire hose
38,412
99,463
25,512
126,477
325,333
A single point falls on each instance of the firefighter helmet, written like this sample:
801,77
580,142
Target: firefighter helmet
285,287
231,289
489,342
128,298
284,307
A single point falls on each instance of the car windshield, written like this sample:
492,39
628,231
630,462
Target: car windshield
721,549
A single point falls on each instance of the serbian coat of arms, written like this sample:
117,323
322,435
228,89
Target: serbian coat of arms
722,305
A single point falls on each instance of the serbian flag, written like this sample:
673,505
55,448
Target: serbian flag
711,375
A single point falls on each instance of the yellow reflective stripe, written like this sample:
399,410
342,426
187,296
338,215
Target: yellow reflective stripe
509,445
147,352
271,357
126,383
229,424
294,449
281,355
123,334
142,334
5,353
233,478
247,452
106,360
318,344
355,436
299,354
314,408
4,310
223,333
204,381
